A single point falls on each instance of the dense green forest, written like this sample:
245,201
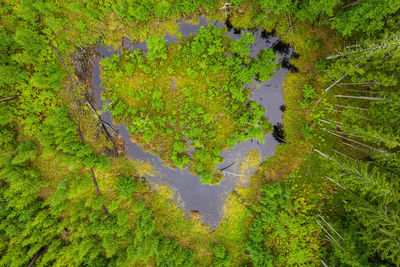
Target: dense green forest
69,196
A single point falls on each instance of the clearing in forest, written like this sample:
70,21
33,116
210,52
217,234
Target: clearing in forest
186,102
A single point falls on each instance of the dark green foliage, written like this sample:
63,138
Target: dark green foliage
363,163
221,256
57,212
59,133
321,65
366,17
278,233
126,186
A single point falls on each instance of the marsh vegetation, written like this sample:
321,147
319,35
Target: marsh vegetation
69,194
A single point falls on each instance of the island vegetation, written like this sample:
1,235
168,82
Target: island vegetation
189,96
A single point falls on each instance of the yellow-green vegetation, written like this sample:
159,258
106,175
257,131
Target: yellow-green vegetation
189,95
288,157
329,196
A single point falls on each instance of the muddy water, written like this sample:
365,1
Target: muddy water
191,195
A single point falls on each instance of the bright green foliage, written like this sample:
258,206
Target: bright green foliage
264,67
126,186
221,257
170,254
25,151
308,94
241,47
366,17
58,132
156,48
183,100
313,9
279,231
162,9
306,130
277,6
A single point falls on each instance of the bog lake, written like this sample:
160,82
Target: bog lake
189,192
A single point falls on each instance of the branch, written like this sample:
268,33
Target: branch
290,29
37,255
333,84
8,99
361,97
327,89
231,173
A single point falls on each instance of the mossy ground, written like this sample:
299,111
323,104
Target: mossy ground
170,220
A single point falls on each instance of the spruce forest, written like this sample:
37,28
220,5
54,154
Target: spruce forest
200,133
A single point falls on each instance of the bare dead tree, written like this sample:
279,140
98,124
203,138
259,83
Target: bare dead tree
104,125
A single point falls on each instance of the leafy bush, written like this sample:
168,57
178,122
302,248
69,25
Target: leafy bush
156,48
221,256
308,94
279,232
126,186
306,130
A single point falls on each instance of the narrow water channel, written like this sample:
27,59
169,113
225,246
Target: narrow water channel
189,193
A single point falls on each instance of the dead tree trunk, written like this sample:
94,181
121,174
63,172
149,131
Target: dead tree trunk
92,173
37,255
103,123
8,99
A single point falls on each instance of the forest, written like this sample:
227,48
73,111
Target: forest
72,195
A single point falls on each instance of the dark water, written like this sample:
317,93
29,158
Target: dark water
191,195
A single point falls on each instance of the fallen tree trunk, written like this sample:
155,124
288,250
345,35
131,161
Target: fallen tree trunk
37,255
8,99
103,123
92,173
